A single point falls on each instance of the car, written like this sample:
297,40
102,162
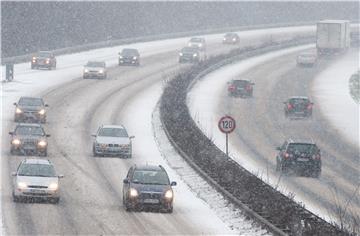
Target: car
29,139
298,107
36,179
242,88
197,43
95,69
112,140
300,155
43,59
129,56
192,55
231,38
30,109
306,59
148,186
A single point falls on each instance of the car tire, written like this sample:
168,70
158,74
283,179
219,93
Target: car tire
283,168
15,198
126,206
55,200
316,173
277,165
12,152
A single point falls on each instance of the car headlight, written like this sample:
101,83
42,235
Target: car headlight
189,44
42,112
195,55
47,61
21,185
180,54
234,39
18,110
134,58
42,143
16,141
133,192
120,57
101,71
169,194
86,70
200,45
103,145
53,186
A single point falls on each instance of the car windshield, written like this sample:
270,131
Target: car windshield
230,35
95,64
196,40
299,101
44,54
129,52
157,177
31,102
189,50
307,55
113,132
240,82
41,170
301,148
29,130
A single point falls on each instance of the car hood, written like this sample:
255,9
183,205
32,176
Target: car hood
36,180
29,137
113,140
30,108
151,188
94,68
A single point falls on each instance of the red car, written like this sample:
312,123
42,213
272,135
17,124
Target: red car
240,88
298,107
43,59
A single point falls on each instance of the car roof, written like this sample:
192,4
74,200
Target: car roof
37,161
149,167
30,98
113,126
197,38
299,97
241,80
130,49
29,125
301,140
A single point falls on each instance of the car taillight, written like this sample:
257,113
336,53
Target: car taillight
317,157
309,107
231,88
289,106
248,87
286,155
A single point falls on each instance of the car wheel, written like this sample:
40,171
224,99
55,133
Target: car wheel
284,168
316,173
277,165
43,153
55,200
15,198
12,151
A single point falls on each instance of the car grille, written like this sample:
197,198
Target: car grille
113,145
29,142
37,186
149,195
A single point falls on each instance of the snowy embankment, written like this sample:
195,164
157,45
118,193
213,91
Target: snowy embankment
331,93
32,82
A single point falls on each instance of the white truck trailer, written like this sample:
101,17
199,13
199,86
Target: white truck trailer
332,36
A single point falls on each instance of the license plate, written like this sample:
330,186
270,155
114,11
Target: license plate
37,191
302,159
151,201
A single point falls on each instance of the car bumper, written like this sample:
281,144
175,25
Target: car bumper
138,203
28,149
125,61
29,116
310,164
36,193
94,75
240,93
188,59
299,114
112,151
40,65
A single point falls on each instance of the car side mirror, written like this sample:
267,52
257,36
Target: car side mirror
13,173
173,183
125,181
60,176
131,137
15,104
46,105
11,133
93,135
278,148
48,135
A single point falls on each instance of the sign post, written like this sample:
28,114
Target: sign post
227,125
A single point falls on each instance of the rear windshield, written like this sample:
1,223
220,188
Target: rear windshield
157,177
31,102
302,148
299,101
113,132
240,82
95,64
41,170
29,130
44,54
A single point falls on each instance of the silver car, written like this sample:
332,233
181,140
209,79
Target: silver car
95,69
112,140
29,139
36,179
30,109
198,43
306,59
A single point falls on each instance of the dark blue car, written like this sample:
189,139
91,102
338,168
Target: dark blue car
148,186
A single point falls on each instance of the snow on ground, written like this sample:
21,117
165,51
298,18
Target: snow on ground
202,101
331,92
69,67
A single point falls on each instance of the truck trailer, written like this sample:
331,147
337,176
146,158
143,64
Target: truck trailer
332,36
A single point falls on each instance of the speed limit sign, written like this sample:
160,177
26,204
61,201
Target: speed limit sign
227,124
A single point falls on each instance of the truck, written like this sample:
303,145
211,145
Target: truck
332,36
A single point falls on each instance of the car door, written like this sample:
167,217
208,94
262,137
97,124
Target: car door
126,186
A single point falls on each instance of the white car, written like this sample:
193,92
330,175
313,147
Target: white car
112,140
95,69
36,178
198,43
306,59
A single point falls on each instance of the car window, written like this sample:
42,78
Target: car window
299,101
44,54
129,52
29,130
240,82
302,148
196,40
42,170
157,177
95,64
112,132
31,102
